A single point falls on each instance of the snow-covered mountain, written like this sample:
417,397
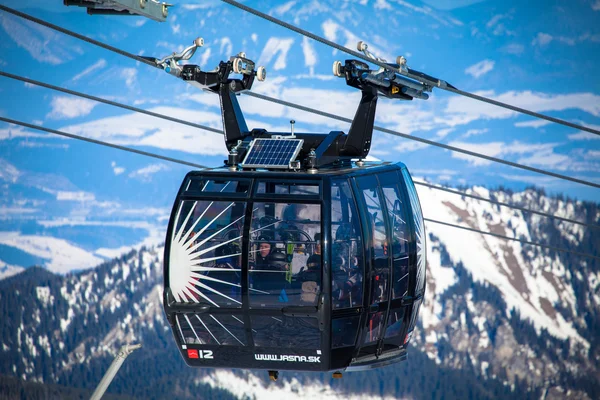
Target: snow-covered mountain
500,319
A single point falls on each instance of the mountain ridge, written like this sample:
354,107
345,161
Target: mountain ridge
68,328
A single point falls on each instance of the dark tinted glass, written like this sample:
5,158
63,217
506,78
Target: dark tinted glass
211,329
288,332
347,255
344,331
285,255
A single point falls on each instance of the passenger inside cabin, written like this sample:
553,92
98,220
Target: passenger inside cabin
269,268
311,275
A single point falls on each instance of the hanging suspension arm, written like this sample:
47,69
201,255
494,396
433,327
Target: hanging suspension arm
218,81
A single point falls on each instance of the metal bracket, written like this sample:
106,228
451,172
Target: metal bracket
146,8
387,81
170,63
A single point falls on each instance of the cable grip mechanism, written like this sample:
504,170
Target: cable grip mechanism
170,63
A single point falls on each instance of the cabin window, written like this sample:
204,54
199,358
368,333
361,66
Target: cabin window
344,331
205,254
394,326
397,216
379,242
285,255
288,188
347,261
286,332
199,184
211,329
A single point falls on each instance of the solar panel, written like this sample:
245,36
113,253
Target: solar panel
272,153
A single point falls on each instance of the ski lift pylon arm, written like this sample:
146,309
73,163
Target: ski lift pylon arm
124,351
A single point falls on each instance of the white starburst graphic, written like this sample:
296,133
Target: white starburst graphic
186,264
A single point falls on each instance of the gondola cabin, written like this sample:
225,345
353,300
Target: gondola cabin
297,254
295,271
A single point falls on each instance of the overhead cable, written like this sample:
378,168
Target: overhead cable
135,109
513,239
173,160
412,74
513,206
73,34
100,142
429,142
385,130
109,102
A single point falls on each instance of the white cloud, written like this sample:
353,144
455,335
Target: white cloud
32,145
117,170
205,56
275,46
284,8
382,5
583,135
498,28
541,181
101,63
596,5
175,28
70,107
430,13
319,77
535,123
542,39
433,171
513,48
463,110
14,132
498,149
472,132
410,146
75,196
8,172
442,133
145,174
41,43
130,76
226,47
254,37
330,29
310,55
481,68
202,5
140,130
593,153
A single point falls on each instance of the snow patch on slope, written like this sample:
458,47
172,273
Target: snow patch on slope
531,287
62,256
250,386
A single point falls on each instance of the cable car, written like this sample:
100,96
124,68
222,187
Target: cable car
296,254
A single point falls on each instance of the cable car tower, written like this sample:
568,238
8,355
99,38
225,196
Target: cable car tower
295,254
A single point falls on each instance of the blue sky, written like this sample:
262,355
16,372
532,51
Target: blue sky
538,55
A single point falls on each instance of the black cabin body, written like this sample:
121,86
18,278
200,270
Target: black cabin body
297,254
341,284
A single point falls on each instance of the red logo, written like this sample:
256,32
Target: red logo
193,353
